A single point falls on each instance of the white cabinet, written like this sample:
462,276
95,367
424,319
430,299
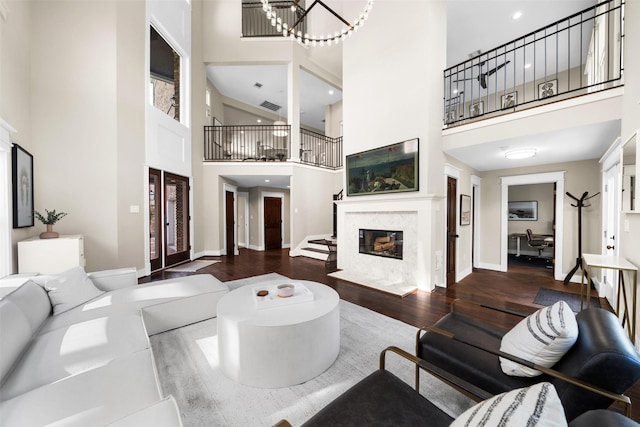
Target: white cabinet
50,256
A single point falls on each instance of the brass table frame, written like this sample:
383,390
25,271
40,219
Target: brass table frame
590,261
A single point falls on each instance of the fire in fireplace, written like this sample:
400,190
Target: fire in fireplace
385,243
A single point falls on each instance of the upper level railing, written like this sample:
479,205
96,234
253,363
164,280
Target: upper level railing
269,143
256,24
257,142
574,56
320,150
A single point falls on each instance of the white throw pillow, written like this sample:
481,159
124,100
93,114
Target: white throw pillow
537,405
542,338
68,289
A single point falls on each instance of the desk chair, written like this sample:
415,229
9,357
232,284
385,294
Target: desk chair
539,244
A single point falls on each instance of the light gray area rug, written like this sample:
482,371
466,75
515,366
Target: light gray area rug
187,361
192,266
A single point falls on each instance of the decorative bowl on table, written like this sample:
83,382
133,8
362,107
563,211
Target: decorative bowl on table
285,290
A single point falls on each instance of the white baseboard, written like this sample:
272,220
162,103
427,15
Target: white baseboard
211,253
462,274
487,266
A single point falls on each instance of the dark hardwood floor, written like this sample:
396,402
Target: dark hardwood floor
515,289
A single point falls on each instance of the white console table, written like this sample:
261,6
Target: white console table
50,256
590,261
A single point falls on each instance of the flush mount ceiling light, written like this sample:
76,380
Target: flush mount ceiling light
337,36
521,153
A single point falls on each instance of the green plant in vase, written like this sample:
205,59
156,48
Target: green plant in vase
51,218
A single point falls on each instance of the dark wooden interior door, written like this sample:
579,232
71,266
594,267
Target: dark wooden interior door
230,221
156,246
451,230
272,223
177,247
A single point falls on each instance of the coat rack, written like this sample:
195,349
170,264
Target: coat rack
580,203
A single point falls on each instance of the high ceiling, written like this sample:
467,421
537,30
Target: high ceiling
472,25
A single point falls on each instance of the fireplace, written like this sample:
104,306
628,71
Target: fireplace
384,243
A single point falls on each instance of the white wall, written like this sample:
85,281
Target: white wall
630,223
15,102
376,114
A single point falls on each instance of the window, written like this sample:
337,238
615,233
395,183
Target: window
164,75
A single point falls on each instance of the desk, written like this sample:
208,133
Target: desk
547,238
590,261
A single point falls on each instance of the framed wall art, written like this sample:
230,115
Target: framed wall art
389,169
465,209
476,109
547,89
523,211
509,100
22,180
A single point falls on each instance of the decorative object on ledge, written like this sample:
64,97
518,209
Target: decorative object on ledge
509,100
465,209
51,218
22,174
389,169
547,89
523,211
476,109
315,40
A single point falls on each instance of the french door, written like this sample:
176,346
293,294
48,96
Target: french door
168,219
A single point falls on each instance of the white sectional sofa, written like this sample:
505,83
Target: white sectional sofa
75,351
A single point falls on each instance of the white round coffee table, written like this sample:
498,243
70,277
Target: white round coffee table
278,346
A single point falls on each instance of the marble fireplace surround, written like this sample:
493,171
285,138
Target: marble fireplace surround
413,216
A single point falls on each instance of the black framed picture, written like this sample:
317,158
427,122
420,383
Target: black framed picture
523,211
509,100
22,179
547,89
389,169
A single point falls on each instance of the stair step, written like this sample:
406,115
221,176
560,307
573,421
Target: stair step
320,251
318,241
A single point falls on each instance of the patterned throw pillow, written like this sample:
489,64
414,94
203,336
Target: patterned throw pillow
542,338
537,405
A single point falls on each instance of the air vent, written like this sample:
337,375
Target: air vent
258,85
270,106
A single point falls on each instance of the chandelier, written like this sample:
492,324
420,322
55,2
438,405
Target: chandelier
316,40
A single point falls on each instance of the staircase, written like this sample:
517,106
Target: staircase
316,248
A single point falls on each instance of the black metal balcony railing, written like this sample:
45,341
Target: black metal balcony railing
233,143
262,143
255,23
320,150
574,56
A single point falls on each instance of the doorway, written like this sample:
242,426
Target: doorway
272,223
176,216
230,223
607,283
540,178
452,235
156,252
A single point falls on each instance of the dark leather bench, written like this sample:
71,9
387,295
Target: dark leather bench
603,357
382,399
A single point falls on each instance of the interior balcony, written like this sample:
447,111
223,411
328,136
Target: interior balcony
575,56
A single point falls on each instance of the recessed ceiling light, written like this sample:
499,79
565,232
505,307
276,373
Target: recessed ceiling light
331,92
267,180
516,15
259,121
521,153
527,65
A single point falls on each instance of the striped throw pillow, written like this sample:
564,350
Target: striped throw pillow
534,406
542,338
